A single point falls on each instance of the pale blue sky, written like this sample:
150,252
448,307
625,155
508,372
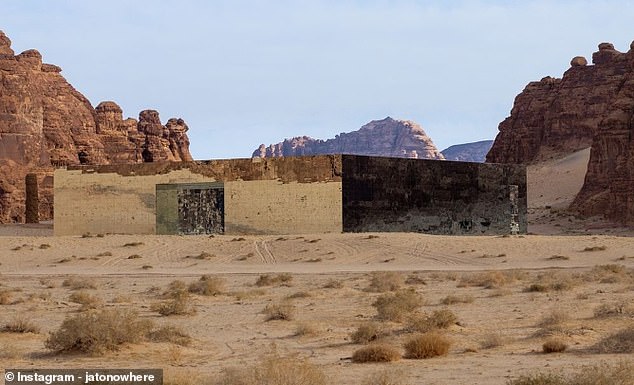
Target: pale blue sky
243,73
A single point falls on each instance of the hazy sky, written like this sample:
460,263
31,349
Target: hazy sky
243,73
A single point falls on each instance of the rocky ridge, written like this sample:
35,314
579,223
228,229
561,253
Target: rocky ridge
387,137
590,106
46,123
468,152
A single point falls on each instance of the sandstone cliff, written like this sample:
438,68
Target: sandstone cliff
46,123
592,105
468,152
387,137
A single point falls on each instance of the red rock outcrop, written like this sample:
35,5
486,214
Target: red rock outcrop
592,105
387,137
45,123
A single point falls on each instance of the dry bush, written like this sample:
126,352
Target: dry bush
171,334
554,345
615,309
488,280
333,284
621,342
242,295
452,299
133,244
552,281
284,311
621,373
383,281
595,248
5,297
98,331
377,352
397,306
202,255
84,298
10,351
270,280
20,325
208,285
427,345
539,379
553,318
610,273
306,329
438,319
178,304
121,298
300,294
275,370
76,283
492,340
368,332
414,279
385,377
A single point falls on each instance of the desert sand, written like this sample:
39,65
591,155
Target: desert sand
508,288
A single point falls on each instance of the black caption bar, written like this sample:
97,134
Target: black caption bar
83,376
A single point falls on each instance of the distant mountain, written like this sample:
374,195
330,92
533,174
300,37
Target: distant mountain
387,137
468,152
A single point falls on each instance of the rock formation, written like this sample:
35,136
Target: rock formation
387,137
592,105
46,123
468,152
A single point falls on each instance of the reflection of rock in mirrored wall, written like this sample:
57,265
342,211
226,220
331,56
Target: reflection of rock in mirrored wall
201,211
292,195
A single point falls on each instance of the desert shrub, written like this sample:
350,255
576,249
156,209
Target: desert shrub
333,284
275,370
610,273
554,345
539,379
615,309
5,297
20,325
396,306
488,280
621,373
595,248
427,345
383,281
242,295
171,334
98,331
552,281
367,332
553,318
452,299
385,377
438,319
270,280
75,283
84,298
414,279
284,311
491,340
178,304
306,329
617,343
300,294
377,352
133,244
208,285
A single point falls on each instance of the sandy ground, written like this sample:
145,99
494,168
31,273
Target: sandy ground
579,269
